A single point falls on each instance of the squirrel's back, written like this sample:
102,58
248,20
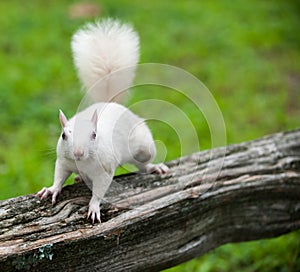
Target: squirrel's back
105,55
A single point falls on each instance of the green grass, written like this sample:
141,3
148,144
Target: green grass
246,53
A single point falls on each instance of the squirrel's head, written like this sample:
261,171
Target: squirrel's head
78,138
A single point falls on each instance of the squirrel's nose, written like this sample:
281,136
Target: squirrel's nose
78,153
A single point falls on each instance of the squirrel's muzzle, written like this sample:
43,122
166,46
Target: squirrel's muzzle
78,154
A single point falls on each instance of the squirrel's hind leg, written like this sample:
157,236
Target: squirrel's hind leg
143,149
159,168
143,159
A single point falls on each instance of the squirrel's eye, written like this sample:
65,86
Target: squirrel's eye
94,135
64,136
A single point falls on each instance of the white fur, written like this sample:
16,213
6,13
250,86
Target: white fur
95,141
105,55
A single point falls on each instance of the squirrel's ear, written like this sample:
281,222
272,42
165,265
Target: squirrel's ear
62,118
95,119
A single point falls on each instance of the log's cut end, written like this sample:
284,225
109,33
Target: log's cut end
237,193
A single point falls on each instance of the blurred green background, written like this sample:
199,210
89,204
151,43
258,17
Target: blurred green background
245,52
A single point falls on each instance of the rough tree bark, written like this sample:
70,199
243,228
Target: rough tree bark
151,222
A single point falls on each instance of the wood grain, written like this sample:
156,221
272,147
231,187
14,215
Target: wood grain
150,222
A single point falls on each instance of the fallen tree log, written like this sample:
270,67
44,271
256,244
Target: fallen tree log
152,223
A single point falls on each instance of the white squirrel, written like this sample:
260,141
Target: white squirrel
95,141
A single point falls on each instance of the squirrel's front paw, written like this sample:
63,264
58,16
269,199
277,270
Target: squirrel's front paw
45,192
94,211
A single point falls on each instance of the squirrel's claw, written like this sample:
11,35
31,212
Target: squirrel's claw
42,194
158,169
45,192
94,215
54,195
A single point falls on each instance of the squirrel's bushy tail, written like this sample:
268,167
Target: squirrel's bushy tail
105,56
